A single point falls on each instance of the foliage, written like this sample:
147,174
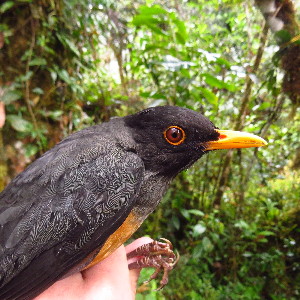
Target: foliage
66,64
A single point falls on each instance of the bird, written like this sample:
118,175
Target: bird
86,196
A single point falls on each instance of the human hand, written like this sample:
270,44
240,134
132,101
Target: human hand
109,279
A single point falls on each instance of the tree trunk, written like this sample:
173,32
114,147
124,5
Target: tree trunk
280,16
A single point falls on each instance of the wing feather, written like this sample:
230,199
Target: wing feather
60,209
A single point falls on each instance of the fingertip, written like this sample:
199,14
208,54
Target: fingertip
134,277
110,277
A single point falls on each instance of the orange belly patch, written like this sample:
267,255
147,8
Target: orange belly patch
119,237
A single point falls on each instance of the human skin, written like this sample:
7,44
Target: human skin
110,279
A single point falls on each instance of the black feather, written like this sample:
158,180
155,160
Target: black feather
68,202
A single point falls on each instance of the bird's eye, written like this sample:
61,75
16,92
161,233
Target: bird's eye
174,135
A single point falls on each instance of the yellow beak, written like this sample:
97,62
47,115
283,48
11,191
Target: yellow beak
229,139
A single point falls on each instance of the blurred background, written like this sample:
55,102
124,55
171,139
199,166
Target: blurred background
234,217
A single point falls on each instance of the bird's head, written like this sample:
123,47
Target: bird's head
170,138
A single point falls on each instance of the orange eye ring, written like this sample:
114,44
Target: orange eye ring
174,135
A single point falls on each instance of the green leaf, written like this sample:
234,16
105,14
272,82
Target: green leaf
210,96
6,6
64,75
31,150
196,212
38,91
197,251
150,47
143,20
266,233
247,254
241,224
221,227
153,95
207,244
283,35
175,221
72,47
185,213
223,62
152,10
38,61
156,29
215,82
26,76
11,96
181,34
68,43
198,230
181,29
19,124
55,115
263,240
151,17
264,106
53,75
179,38
185,73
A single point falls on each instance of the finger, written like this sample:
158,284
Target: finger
110,278
67,288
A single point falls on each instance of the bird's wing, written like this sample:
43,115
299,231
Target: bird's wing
61,209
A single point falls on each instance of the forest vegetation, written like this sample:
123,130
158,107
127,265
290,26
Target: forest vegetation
234,217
